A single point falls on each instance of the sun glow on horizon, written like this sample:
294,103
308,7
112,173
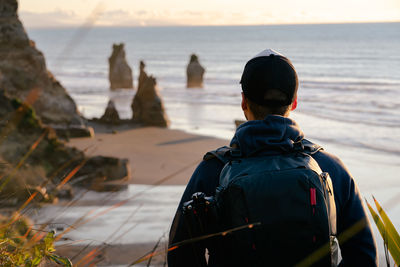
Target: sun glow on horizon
58,13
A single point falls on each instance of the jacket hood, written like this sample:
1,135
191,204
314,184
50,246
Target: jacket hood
276,133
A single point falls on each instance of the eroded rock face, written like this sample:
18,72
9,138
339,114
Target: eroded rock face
49,162
23,69
120,74
147,106
194,73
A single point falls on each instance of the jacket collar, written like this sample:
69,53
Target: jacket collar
274,133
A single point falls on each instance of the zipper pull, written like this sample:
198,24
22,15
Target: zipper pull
313,199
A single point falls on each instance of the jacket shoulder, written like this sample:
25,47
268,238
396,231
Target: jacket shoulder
222,154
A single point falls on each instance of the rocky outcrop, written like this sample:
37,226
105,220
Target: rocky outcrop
147,106
96,178
73,131
23,70
120,74
42,160
194,72
110,115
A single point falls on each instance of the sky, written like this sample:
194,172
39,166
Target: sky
62,13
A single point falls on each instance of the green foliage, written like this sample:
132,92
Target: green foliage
60,260
19,248
387,230
28,120
16,103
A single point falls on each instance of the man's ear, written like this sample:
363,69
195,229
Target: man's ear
244,103
294,104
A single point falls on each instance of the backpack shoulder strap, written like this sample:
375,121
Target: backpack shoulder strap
309,147
223,154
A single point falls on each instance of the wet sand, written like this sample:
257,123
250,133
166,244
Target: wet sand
118,254
120,233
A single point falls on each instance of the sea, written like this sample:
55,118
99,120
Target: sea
349,74
348,100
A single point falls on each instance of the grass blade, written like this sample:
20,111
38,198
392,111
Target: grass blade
388,223
192,240
60,260
392,247
72,173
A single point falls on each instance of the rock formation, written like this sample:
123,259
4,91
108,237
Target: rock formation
120,74
43,160
23,69
99,178
147,106
194,72
110,115
239,122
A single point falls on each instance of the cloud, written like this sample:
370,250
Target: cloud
125,18
193,13
116,17
141,12
115,13
55,18
174,16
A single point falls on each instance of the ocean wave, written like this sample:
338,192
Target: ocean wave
350,87
357,144
354,120
378,106
81,74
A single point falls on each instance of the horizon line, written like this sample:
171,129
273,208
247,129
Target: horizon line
208,25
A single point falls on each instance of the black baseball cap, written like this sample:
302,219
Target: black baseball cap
266,71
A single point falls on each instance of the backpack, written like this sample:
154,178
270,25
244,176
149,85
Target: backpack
286,201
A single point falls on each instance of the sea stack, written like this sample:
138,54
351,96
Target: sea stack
194,72
120,74
110,115
147,106
23,71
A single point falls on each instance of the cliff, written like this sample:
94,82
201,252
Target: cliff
23,70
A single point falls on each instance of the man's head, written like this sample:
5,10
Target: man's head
269,83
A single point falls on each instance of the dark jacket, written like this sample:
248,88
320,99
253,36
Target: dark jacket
276,134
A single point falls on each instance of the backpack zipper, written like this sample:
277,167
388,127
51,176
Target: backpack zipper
313,199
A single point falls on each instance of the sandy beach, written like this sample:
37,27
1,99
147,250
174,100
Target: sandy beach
156,155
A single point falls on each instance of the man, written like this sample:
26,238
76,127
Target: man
269,83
